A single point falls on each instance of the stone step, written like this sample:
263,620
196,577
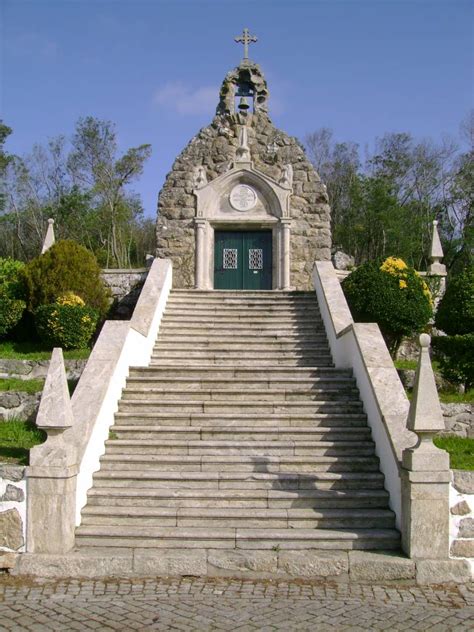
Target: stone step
197,382
218,433
183,309
131,456
222,346
271,421
277,321
238,329
256,447
229,372
268,336
149,478
226,517
242,352
237,361
271,498
233,395
236,538
249,407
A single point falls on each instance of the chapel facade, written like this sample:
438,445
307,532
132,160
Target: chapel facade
243,208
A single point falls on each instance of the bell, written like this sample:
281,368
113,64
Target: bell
244,104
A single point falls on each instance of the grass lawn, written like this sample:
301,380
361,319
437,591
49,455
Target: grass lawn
461,451
448,397
26,386
16,439
12,350
410,365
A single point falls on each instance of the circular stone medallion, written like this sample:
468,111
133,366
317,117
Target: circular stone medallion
242,198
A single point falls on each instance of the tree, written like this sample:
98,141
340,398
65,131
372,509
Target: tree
455,316
85,189
385,205
5,131
94,162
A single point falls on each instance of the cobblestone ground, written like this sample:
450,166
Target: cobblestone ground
230,604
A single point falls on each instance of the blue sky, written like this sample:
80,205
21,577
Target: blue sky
154,67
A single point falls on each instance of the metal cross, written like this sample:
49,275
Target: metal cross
245,39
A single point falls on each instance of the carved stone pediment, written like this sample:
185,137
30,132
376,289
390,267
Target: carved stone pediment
240,193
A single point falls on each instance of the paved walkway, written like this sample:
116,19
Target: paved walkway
229,604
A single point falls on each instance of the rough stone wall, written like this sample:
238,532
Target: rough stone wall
12,512
214,148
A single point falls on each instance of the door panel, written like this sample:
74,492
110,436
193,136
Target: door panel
243,260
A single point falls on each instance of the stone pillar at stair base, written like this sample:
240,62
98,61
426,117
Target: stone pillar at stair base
51,490
425,472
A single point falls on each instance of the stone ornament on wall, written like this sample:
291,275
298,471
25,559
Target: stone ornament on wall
242,198
200,177
286,179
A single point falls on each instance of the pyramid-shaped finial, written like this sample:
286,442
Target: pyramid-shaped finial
436,253
425,413
49,239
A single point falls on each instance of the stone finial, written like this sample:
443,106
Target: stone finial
425,471
425,417
200,177
55,409
49,239
286,179
436,253
243,150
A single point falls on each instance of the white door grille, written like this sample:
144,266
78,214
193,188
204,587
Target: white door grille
229,259
255,259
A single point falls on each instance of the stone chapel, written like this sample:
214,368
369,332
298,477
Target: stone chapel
242,207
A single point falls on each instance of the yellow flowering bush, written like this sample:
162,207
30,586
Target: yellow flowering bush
67,323
392,294
69,298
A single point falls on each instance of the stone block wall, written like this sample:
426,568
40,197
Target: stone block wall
125,286
12,513
462,515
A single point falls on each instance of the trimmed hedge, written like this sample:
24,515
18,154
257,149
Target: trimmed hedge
11,305
65,325
391,294
455,355
65,267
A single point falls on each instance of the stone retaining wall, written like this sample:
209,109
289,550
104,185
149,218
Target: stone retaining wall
37,369
12,513
462,515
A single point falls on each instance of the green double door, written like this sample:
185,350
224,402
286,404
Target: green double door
243,260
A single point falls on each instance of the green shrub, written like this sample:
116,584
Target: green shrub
11,307
10,284
455,314
391,294
455,355
11,311
66,266
66,324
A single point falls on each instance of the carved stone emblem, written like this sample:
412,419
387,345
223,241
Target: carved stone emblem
242,198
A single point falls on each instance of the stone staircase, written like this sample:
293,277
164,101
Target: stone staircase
240,434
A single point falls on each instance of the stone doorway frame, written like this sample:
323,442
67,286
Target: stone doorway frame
214,213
